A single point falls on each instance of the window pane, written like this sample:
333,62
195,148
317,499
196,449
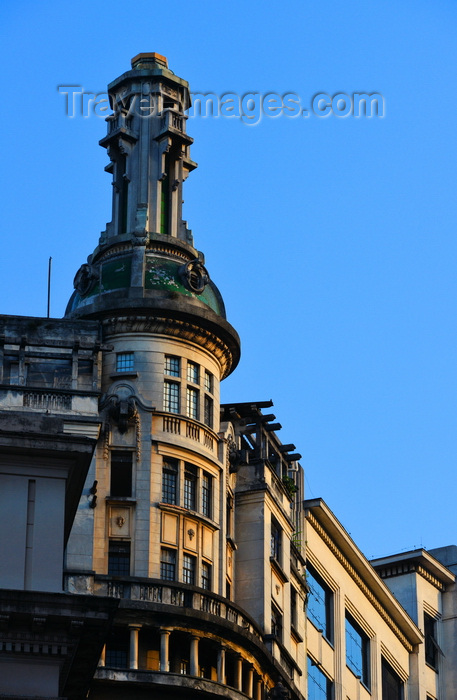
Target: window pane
319,608
192,372
319,686
357,649
275,541
188,569
168,564
172,366
209,411
121,473
392,685
117,649
209,382
124,362
206,494
430,640
119,558
276,622
206,576
190,481
171,397
192,403
169,481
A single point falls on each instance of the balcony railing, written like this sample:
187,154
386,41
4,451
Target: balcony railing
177,425
163,593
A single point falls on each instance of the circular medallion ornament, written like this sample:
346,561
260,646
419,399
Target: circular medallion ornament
85,279
195,276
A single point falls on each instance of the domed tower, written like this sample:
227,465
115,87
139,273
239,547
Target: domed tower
154,524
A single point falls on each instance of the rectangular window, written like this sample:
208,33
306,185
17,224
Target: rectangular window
119,558
168,564
206,576
172,366
275,551
171,397
117,649
209,382
192,403
121,473
125,362
207,487
357,650
392,685
208,411
431,645
229,516
320,603
170,481
276,622
319,686
293,607
190,483
193,372
188,569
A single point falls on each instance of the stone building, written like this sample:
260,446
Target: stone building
194,565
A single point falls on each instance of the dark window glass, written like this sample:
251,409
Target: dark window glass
172,366
171,397
121,473
125,362
168,564
275,541
319,607
192,373
357,650
431,645
192,403
49,373
169,481
319,686
209,411
293,607
190,482
188,569
206,494
276,622
119,558
392,685
117,649
209,382
206,576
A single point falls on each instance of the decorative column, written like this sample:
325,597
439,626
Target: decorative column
250,682
194,655
258,689
239,672
221,665
164,648
134,634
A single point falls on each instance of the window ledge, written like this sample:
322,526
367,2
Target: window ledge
125,500
118,375
297,637
279,570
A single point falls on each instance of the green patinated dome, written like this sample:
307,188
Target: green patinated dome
163,278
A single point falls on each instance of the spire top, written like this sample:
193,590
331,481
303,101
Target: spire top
148,58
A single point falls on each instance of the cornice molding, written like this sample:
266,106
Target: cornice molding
358,580
175,328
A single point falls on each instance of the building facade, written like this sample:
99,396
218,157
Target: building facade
201,569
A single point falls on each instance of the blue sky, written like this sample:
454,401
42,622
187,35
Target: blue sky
333,240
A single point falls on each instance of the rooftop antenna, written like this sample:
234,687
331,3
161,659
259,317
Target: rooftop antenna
49,286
